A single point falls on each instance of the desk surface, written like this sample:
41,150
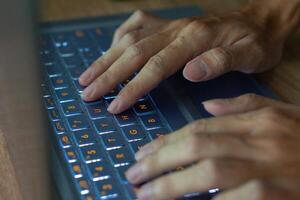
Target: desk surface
284,79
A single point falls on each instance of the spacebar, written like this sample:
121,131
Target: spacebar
168,107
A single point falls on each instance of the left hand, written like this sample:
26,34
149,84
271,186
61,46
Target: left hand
251,151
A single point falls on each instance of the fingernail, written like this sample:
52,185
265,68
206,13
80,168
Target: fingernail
87,92
114,106
146,192
143,152
133,173
85,78
195,70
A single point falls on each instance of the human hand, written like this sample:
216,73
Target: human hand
251,151
246,41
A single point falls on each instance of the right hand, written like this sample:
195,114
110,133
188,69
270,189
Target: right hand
208,46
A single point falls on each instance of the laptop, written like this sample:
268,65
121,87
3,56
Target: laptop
90,148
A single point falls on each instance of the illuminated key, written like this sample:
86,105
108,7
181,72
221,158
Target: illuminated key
83,186
99,170
112,94
59,82
121,156
91,153
75,72
97,110
151,121
78,122
107,188
121,172
65,141
59,127
76,170
54,114
126,118
64,95
113,140
143,107
71,108
84,137
71,155
104,125
133,132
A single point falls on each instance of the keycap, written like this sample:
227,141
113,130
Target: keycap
133,132
121,172
112,94
99,170
91,153
151,121
71,108
64,95
126,118
59,127
137,145
103,40
49,58
97,110
59,82
78,87
107,188
121,156
61,37
70,155
65,141
90,53
49,102
75,72
143,107
84,137
113,140
82,185
45,90
155,133
54,69
76,170
82,39
73,61
54,115
78,122
88,197
104,125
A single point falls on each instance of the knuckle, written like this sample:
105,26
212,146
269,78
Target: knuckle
223,58
251,99
198,26
155,65
135,51
213,169
140,14
132,37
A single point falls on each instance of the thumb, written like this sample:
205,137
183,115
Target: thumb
244,103
242,56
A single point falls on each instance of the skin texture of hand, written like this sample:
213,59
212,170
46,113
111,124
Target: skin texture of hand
250,150
248,40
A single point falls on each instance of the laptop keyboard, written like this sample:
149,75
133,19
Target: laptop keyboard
96,146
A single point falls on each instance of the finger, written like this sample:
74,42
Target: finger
188,151
106,60
231,125
220,60
133,58
258,190
205,175
159,67
136,21
241,104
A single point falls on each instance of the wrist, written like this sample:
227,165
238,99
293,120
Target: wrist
278,18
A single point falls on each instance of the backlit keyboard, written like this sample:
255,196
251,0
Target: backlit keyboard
97,147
